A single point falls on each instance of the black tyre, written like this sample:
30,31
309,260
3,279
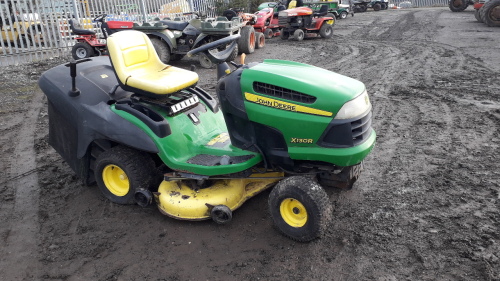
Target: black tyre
300,208
233,55
284,34
326,31
376,7
383,6
362,8
246,43
176,57
458,5
268,33
161,49
491,13
221,214
343,180
121,171
260,40
299,34
205,62
477,15
82,50
343,15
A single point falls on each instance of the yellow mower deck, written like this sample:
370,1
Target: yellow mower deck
178,200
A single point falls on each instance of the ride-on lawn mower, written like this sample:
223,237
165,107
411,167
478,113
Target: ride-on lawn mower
303,21
145,132
88,44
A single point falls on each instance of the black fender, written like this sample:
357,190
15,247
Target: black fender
102,123
199,39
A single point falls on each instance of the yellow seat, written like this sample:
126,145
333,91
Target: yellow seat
139,69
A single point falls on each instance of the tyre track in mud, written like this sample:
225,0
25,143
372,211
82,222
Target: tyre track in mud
19,259
424,206
404,84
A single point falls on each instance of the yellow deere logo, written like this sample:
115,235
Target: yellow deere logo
285,105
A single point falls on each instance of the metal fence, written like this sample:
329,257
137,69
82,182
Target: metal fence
35,29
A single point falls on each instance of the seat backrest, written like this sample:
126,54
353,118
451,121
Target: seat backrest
130,52
322,11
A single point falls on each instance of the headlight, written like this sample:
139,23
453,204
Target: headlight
355,107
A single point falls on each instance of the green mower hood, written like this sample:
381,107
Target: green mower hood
331,90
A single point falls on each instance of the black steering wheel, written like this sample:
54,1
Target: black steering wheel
100,17
220,56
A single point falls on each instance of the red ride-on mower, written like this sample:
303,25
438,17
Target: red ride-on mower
88,44
267,20
302,21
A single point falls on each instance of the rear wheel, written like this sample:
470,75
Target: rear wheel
121,171
343,15
458,5
82,50
300,208
260,40
246,43
298,35
377,7
326,31
491,13
161,49
383,6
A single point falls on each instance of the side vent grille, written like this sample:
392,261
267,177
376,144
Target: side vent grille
283,93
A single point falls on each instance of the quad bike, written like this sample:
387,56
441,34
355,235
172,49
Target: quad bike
267,19
303,21
145,132
182,36
88,44
459,5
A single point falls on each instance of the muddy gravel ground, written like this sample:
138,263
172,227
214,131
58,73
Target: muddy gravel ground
426,207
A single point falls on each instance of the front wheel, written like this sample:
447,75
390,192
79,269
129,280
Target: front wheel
300,208
82,50
121,171
268,33
477,15
298,35
326,31
343,15
161,49
377,7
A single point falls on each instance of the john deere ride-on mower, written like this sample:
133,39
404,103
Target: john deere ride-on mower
145,132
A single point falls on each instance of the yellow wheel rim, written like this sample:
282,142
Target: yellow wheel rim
116,180
293,212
